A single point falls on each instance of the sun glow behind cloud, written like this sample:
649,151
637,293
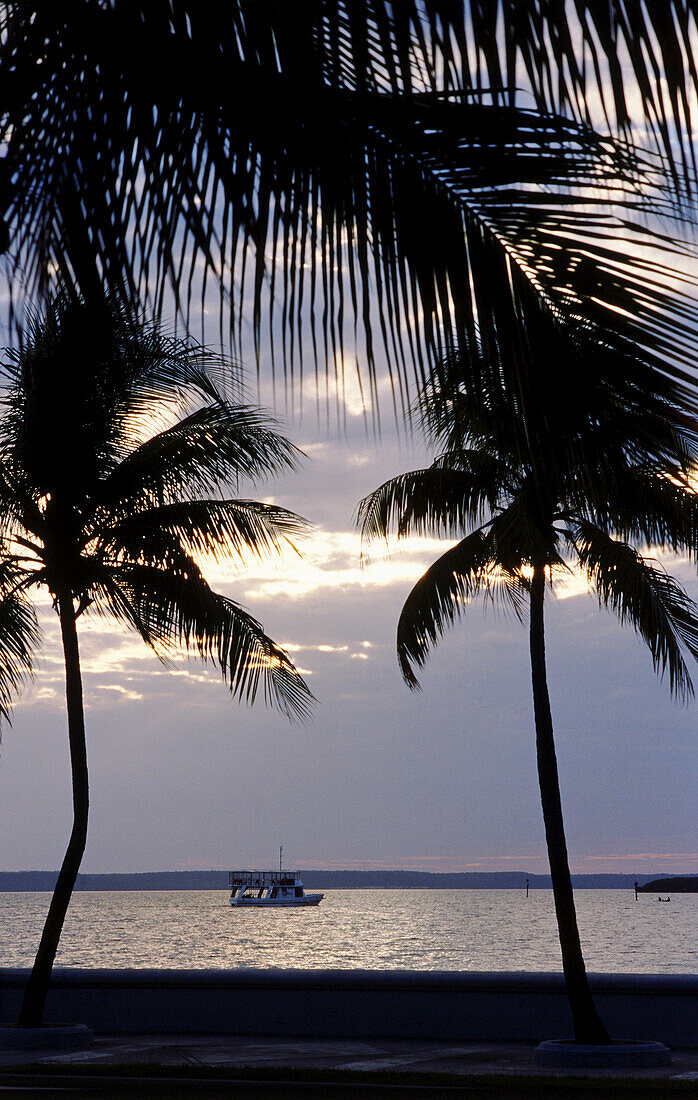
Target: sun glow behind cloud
329,560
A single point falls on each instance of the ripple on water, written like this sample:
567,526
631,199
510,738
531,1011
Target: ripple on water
372,929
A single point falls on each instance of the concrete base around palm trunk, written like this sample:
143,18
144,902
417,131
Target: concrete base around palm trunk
498,1007
616,1055
52,1037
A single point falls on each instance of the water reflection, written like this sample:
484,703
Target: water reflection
373,929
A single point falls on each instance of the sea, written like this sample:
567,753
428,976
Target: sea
475,930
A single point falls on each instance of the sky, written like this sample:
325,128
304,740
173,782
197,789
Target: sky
185,777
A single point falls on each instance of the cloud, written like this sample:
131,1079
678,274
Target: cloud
297,647
101,693
330,560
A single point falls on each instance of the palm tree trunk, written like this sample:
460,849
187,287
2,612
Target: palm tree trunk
32,1010
588,1027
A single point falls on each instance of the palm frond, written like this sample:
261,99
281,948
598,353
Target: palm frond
645,596
18,508
206,451
223,529
577,54
652,505
177,611
441,596
19,638
440,500
503,392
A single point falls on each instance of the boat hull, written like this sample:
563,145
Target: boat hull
276,903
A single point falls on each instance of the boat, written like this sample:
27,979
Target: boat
277,889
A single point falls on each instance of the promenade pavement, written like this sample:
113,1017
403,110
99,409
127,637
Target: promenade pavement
186,1065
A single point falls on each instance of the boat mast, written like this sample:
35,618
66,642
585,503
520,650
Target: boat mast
281,848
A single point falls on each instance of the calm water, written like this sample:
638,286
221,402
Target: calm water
392,929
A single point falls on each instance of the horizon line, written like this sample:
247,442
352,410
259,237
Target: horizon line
358,870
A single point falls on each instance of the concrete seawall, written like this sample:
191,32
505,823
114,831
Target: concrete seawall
360,1003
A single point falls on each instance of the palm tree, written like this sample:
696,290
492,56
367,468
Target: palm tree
569,473
353,158
116,445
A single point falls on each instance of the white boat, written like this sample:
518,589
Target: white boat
282,889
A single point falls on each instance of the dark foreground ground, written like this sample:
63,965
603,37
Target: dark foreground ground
187,1066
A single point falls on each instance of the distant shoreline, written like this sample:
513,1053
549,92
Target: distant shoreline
17,881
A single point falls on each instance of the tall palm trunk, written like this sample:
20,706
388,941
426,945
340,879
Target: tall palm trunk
588,1027
32,1010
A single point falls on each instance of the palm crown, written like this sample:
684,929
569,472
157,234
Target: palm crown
95,505
572,468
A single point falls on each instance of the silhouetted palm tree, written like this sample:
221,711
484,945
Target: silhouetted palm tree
403,162
570,472
116,446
